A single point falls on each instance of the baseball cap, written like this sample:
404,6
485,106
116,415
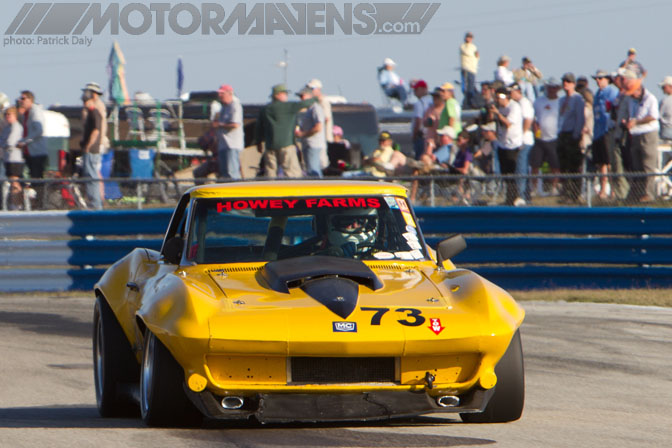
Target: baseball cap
491,126
384,136
388,61
526,60
279,88
632,51
225,88
447,130
627,73
437,91
469,34
504,58
552,82
502,92
93,87
338,130
447,86
569,77
304,91
667,81
418,83
314,84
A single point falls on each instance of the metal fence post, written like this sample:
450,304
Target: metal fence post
432,198
138,194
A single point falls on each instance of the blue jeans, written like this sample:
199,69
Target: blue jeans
312,158
523,169
91,164
468,88
398,92
229,163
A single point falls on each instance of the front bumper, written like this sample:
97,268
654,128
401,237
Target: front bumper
378,405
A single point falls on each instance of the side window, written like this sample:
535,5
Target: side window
178,222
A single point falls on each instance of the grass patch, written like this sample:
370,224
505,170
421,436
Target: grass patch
643,297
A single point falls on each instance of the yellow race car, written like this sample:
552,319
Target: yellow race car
302,301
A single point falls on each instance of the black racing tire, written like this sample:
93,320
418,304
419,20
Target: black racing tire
163,401
114,364
506,405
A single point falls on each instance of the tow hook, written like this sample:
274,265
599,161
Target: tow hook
429,378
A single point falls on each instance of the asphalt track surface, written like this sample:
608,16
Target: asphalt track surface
597,376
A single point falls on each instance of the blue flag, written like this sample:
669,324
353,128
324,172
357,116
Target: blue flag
180,77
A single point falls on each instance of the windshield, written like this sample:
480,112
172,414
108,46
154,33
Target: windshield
267,229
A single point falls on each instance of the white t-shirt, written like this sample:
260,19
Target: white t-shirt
511,137
646,107
504,74
468,57
528,114
547,112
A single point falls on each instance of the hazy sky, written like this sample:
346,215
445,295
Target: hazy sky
559,36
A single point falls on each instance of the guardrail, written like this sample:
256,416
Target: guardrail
517,248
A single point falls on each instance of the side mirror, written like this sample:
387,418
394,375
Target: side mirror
450,247
172,250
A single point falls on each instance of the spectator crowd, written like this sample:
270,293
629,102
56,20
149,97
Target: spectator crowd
523,123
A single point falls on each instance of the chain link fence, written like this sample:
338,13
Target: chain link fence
547,190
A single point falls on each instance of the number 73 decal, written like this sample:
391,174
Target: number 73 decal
413,318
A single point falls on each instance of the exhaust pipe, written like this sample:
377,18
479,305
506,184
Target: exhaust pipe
448,401
232,402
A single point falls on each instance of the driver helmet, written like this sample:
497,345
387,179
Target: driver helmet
353,228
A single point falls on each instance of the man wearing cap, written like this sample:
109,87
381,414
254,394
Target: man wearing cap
90,144
666,109
469,66
385,159
391,83
311,133
503,73
603,102
630,63
228,125
421,106
275,129
546,113
644,127
444,152
527,77
509,118
452,113
570,129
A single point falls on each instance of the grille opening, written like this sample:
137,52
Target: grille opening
342,370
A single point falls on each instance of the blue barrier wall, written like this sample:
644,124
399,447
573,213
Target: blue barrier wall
518,248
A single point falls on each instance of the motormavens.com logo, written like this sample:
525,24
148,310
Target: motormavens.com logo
76,19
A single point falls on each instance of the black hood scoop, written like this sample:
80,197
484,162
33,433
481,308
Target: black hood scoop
332,281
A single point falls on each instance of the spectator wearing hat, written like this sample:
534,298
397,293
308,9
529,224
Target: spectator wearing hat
469,57
503,73
316,86
33,142
484,101
605,98
630,63
392,84
527,77
228,125
275,133
311,133
339,137
522,163
431,120
97,93
444,150
621,159
419,109
546,114
509,118
452,113
666,109
90,144
385,159
644,127
484,157
570,129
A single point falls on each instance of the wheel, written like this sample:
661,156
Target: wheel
506,405
113,363
163,401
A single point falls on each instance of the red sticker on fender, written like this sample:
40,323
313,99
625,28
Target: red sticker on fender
435,325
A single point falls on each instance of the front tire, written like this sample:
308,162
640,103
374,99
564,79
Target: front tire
163,401
114,363
506,405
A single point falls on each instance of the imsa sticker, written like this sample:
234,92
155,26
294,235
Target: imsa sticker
345,327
